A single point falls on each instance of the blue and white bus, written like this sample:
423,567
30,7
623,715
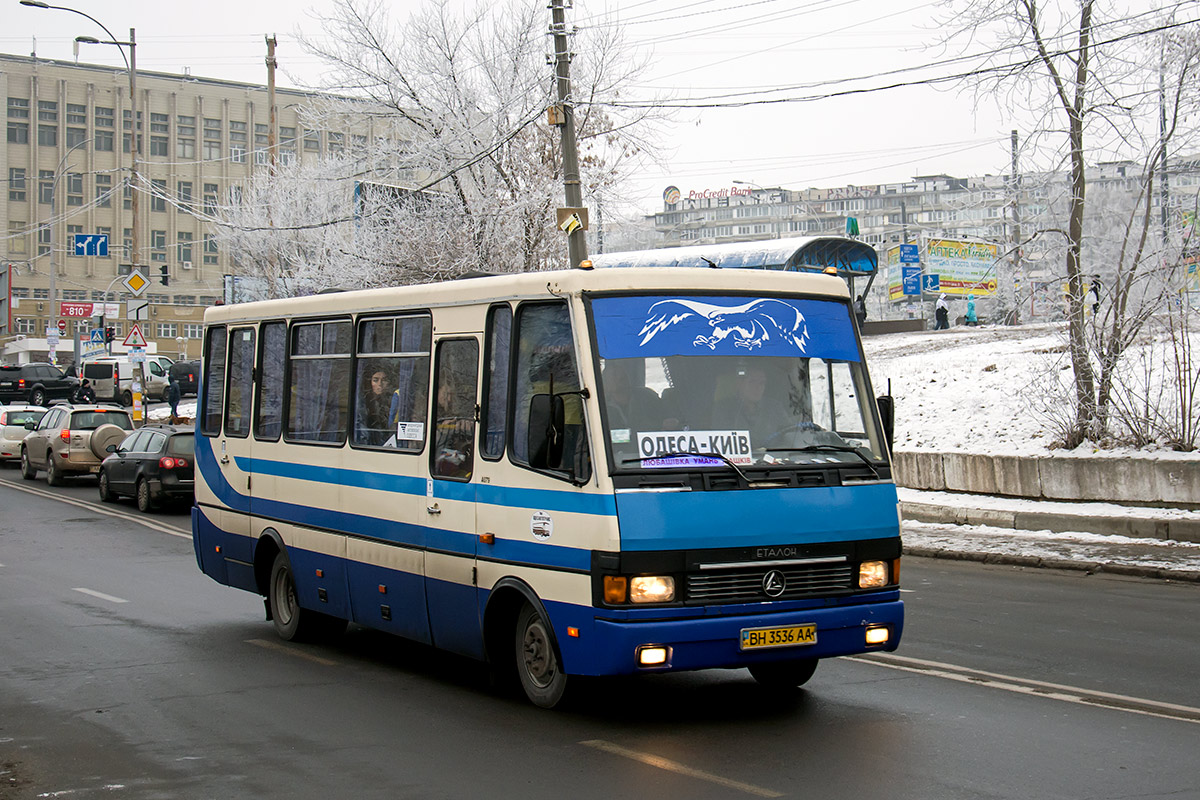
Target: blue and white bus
589,472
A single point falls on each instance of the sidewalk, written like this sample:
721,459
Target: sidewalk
1093,537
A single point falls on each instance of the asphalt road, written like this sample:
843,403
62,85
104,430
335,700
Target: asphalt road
128,673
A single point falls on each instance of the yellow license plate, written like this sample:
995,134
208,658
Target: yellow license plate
792,635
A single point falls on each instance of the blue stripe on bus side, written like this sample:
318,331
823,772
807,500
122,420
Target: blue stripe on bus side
536,554
490,494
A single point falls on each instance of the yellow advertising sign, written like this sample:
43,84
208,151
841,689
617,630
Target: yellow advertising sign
963,267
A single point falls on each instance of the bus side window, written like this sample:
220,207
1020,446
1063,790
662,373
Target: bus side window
392,382
213,403
495,382
453,454
268,423
545,364
319,382
241,382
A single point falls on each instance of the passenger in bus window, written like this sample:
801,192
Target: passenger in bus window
455,429
372,418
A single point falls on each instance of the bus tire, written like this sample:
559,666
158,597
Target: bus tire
538,664
784,674
293,623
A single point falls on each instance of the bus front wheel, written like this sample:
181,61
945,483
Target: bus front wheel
538,666
784,674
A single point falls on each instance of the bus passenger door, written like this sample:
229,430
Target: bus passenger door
450,497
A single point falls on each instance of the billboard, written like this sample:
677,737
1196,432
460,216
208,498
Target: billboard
964,267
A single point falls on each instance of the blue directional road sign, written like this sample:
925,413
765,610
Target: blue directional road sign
91,244
910,254
931,283
912,280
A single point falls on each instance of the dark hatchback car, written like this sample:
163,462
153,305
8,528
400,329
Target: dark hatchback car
187,374
36,384
154,464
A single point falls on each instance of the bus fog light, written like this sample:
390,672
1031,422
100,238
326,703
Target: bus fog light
878,635
872,574
651,589
652,655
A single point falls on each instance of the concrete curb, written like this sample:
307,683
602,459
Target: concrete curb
1089,567
1180,530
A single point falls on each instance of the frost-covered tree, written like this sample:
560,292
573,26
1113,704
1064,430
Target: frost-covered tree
1087,77
455,105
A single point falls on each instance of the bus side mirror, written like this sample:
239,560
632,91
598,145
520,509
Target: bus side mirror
887,415
547,423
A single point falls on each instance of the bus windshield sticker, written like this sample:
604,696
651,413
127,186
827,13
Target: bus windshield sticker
410,430
734,445
641,326
620,435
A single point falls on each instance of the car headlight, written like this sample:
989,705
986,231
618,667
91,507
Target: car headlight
651,589
872,574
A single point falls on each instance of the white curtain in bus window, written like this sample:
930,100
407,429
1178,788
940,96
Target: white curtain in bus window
269,423
241,382
214,382
546,364
392,382
319,388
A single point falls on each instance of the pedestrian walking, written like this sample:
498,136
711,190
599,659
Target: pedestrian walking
85,393
173,396
972,320
941,314
860,310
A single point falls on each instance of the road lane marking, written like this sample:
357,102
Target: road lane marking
1035,688
279,647
674,766
101,595
95,507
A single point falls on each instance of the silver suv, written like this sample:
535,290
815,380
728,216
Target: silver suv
72,440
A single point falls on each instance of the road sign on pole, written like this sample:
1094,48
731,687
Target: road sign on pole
136,283
931,283
91,244
912,280
137,310
135,337
910,254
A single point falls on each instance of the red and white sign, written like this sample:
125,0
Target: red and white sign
135,338
62,326
84,310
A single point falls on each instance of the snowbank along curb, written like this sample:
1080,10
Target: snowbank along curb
1181,530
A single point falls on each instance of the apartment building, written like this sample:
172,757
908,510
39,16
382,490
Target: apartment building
68,147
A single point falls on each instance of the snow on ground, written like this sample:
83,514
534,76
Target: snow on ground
979,390
1163,554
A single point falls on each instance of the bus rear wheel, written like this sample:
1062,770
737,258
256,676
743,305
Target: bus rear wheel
538,665
784,674
292,622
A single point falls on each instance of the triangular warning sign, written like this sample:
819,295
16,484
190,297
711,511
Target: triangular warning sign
135,338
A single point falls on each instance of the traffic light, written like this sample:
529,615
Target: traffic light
109,333
164,275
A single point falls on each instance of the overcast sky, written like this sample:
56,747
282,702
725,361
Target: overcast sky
698,49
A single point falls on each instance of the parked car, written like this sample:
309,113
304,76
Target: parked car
12,428
154,464
187,373
72,440
112,379
36,384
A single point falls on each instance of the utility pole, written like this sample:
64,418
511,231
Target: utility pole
134,142
576,239
272,133
1016,240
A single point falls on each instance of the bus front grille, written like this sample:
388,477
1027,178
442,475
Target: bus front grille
747,585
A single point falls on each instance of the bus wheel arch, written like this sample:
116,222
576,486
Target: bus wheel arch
270,544
505,603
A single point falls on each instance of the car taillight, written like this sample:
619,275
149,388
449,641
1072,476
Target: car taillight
3,417
20,383
167,462
65,435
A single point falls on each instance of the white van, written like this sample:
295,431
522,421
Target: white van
111,378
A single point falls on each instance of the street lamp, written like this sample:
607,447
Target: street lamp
131,65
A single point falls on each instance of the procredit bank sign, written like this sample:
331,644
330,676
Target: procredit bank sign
712,194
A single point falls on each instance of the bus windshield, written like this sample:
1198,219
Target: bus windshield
708,381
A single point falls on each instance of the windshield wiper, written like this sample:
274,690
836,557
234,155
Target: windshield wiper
694,454
829,448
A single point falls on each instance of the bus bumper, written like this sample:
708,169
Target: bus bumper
706,642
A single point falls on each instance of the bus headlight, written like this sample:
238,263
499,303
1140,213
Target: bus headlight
872,574
651,589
